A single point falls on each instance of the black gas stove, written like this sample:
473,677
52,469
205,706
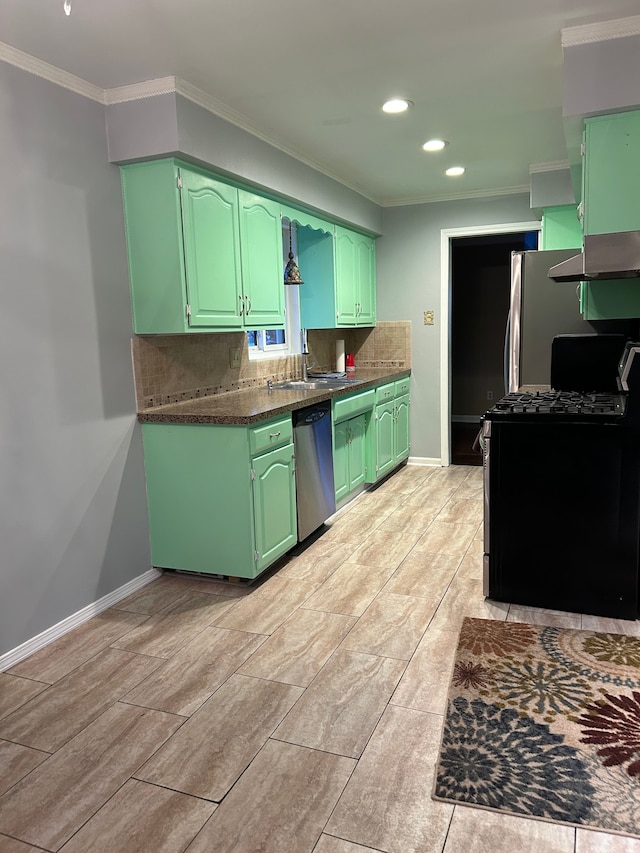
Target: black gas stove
564,466
603,407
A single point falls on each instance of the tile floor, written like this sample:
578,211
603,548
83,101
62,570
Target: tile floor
300,714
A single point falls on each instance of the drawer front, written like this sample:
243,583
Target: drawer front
270,435
402,387
385,392
354,404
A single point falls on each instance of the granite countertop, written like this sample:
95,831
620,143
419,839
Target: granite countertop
257,404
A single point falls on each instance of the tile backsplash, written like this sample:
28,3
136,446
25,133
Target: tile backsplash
171,368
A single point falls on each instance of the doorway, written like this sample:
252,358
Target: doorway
476,283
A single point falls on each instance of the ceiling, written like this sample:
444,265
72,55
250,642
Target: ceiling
310,77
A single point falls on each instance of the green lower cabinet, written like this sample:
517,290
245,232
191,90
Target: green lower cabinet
349,455
390,436
216,506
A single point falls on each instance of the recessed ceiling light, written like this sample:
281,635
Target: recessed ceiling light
454,171
396,105
434,145
67,7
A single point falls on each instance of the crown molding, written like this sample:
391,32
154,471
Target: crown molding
603,31
29,63
460,196
171,85
552,166
162,86
218,108
139,91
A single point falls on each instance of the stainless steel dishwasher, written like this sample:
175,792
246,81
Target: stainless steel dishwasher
315,492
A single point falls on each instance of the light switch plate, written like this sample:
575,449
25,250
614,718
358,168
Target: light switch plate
428,318
235,354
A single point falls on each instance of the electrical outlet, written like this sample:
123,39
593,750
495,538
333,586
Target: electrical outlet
428,318
489,395
235,354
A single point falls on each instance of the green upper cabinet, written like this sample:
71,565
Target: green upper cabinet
203,255
561,228
611,173
355,284
610,193
338,269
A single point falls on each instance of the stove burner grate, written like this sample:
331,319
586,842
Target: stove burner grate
561,404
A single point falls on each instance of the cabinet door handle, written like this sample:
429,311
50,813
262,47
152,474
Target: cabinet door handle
241,305
274,434
248,309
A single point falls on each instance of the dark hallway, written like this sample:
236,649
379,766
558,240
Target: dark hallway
480,288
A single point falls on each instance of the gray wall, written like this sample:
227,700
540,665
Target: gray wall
409,283
171,124
598,77
73,524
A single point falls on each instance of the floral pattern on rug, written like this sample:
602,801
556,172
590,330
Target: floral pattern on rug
544,722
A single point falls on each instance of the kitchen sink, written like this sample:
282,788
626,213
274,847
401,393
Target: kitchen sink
316,384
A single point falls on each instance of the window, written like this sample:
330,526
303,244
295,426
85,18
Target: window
271,343
267,340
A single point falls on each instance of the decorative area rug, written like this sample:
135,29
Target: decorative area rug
544,723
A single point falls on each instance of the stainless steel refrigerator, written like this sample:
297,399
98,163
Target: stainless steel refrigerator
540,309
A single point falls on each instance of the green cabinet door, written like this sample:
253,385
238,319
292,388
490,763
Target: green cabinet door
274,501
349,455
355,279
384,438
346,278
366,277
401,428
341,460
607,300
212,251
262,266
612,173
357,452
611,189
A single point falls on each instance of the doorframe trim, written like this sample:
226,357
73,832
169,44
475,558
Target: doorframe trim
446,236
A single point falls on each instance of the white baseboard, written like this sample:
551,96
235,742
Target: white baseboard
424,460
41,640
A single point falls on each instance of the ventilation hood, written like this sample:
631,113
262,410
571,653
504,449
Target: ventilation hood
605,256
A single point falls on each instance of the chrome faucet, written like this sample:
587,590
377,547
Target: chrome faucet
304,349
